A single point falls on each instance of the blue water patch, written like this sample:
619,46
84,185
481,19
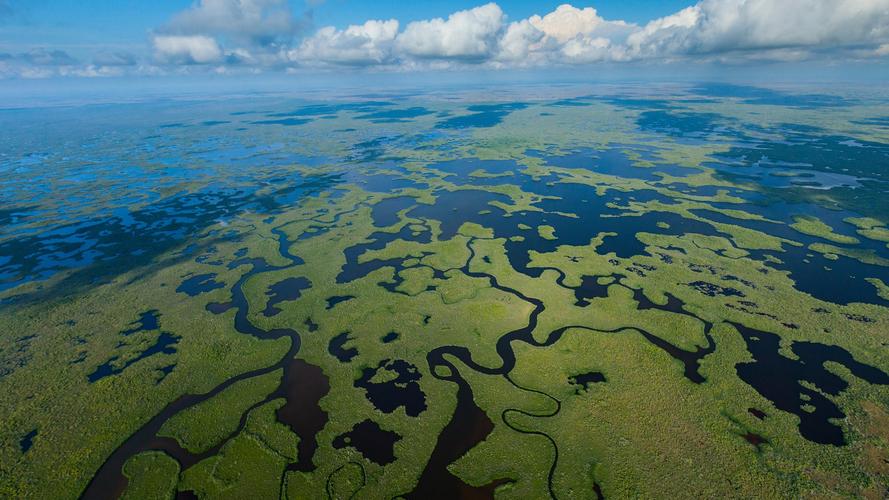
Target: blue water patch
338,299
385,212
482,116
493,172
770,97
165,344
571,103
401,390
395,115
613,161
782,174
316,110
878,121
337,348
805,148
681,123
149,320
286,290
840,280
287,122
802,384
639,102
199,284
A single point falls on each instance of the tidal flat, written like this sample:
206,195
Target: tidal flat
558,292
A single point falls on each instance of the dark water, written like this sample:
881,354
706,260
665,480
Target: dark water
303,386
353,270
402,390
590,289
385,213
337,348
199,284
165,344
338,299
286,290
468,426
583,381
458,170
453,208
374,443
27,441
757,413
149,320
613,161
841,281
781,380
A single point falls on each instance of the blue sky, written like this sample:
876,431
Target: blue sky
81,38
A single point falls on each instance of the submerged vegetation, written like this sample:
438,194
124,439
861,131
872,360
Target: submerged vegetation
567,294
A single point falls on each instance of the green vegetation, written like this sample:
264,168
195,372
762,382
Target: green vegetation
151,475
590,315
203,426
814,227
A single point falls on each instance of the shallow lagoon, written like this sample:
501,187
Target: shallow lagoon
388,297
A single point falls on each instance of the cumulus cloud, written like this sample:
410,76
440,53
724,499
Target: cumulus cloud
568,23
521,43
566,35
231,32
467,34
369,43
725,26
187,49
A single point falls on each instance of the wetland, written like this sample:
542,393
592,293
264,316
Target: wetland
278,296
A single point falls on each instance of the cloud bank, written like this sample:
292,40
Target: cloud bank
264,35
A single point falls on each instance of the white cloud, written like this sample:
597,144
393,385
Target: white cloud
589,50
522,43
369,43
260,22
567,35
664,35
725,26
186,49
467,35
567,23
